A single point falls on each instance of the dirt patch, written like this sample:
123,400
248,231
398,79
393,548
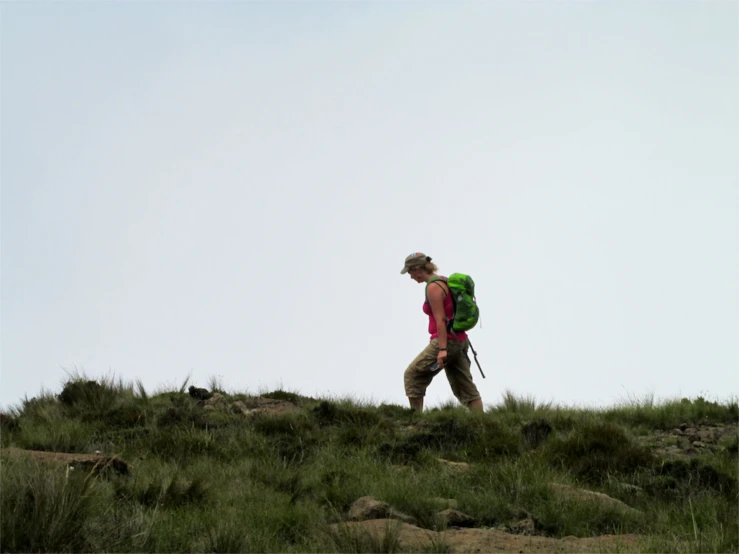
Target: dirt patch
89,462
412,538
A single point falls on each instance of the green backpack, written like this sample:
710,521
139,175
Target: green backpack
466,310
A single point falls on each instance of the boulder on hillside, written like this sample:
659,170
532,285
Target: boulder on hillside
217,400
239,407
567,491
454,518
367,507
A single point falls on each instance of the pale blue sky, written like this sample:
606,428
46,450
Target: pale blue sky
229,189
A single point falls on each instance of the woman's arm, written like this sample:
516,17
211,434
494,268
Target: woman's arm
436,300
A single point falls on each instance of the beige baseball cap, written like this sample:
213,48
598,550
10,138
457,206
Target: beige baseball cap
417,259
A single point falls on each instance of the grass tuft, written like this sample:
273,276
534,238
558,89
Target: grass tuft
593,451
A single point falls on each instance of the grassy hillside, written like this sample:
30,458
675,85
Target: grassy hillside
241,473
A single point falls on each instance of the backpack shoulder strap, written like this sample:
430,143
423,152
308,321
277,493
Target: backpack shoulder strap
449,322
435,280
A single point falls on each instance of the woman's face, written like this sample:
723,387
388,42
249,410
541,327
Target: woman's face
418,274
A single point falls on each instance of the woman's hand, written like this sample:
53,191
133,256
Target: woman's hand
441,358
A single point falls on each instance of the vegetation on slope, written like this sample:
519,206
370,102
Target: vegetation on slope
239,477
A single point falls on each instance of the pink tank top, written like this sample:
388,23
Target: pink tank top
448,310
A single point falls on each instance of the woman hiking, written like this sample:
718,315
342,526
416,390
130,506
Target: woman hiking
445,350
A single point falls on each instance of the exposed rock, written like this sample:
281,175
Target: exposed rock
591,496
454,518
239,407
367,507
413,539
90,462
687,442
217,400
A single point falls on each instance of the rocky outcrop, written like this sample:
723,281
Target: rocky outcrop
414,539
367,507
688,441
454,518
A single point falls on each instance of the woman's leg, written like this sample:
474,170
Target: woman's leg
418,376
460,377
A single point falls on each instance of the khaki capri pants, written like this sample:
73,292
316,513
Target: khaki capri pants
418,376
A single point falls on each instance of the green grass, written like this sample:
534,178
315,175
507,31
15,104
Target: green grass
214,481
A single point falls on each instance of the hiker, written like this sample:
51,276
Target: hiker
447,348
